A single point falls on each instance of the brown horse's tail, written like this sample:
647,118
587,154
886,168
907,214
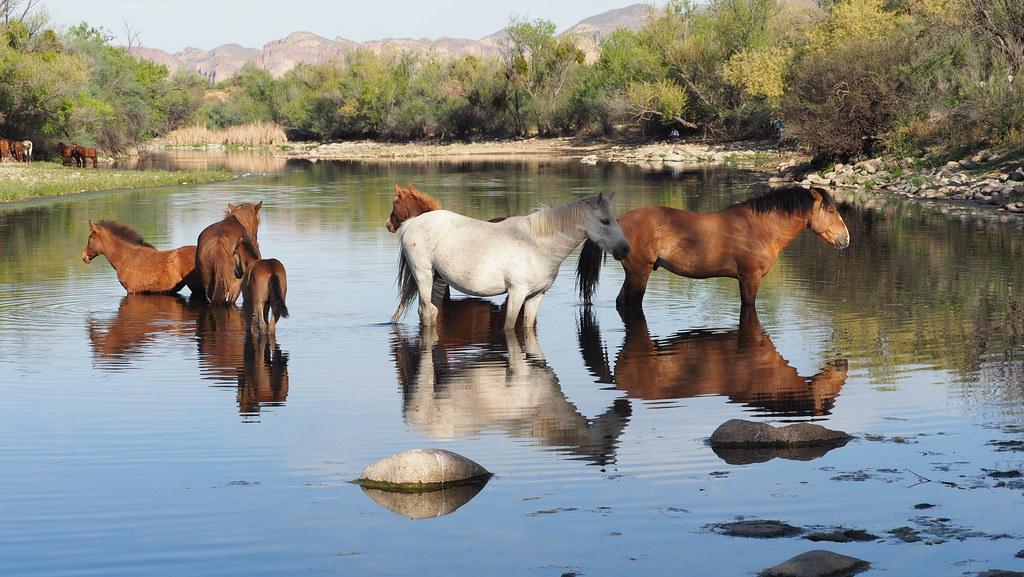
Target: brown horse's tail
276,299
588,269
407,286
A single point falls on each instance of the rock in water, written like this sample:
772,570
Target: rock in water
740,433
760,528
418,470
817,563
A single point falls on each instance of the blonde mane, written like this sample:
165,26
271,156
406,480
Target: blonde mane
547,220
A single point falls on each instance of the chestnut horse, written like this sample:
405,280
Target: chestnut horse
140,267
409,202
740,242
67,154
5,148
264,288
215,251
741,364
82,154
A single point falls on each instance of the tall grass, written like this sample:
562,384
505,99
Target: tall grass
256,134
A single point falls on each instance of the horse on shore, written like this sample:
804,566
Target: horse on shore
67,154
740,242
82,155
140,267
27,145
18,150
215,251
264,288
519,255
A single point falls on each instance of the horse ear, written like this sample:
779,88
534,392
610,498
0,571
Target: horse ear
92,226
398,190
232,206
611,196
600,198
259,205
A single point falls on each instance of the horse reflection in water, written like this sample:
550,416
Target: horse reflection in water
741,364
140,320
467,375
254,364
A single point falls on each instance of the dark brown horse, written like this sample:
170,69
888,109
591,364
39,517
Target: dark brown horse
215,251
741,364
18,150
740,242
82,155
140,267
264,289
67,154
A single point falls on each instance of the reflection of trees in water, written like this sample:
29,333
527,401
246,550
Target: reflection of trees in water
465,377
916,288
255,365
239,162
741,364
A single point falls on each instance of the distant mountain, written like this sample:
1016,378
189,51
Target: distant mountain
280,56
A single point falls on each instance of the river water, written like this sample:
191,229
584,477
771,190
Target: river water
147,436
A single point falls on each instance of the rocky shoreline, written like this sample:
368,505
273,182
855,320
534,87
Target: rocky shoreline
986,184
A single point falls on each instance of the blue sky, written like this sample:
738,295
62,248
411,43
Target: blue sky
176,24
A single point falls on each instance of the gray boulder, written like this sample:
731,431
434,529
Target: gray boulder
760,528
422,470
738,433
817,563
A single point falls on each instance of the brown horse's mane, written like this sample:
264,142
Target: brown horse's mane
123,232
427,202
243,218
790,200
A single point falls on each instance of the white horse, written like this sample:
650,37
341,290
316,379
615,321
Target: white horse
519,255
28,150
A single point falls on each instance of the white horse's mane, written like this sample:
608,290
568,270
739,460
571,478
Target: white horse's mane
548,220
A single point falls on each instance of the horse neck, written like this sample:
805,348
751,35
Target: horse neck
779,228
558,230
118,250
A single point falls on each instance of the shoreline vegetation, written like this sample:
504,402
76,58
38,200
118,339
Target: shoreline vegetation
44,179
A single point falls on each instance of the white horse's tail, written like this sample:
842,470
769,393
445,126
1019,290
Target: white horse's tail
407,286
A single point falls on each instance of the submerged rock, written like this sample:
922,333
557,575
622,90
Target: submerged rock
817,563
761,528
1000,573
425,505
842,536
419,470
748,434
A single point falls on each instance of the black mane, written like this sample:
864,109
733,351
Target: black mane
790,200
124,232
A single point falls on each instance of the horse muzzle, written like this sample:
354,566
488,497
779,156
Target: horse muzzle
389,226
842,242
87,258
620,252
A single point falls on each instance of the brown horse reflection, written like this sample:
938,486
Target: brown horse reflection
255,365
140,320
466,376
741,364
229,356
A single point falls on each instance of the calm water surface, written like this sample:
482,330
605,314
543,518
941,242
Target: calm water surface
148,436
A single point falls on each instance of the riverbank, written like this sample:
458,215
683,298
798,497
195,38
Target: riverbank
38,179
749,154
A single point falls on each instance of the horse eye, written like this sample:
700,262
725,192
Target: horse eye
606,221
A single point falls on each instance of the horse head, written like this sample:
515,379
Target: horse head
408,203
824,219
602,227
94,246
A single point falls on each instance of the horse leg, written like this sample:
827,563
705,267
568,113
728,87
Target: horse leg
749,284
425,286
440,291
530,308
513,304
634,286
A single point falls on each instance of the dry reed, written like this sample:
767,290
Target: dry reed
256,134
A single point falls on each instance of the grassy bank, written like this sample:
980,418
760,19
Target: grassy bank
23,181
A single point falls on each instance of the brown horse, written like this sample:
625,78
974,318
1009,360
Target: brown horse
409,202
140,267
215,251
67,154
5,148
741,364
740,242
18,150
141,321
82,155
264,289
263,381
